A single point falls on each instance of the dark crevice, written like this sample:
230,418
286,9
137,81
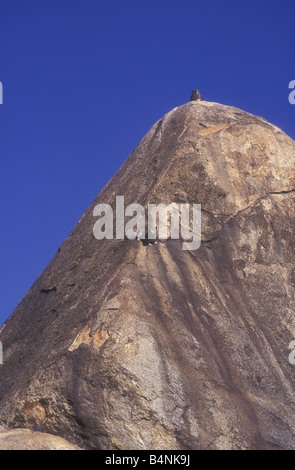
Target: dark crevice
288,191
50,289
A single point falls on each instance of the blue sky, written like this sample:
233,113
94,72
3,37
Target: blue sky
84,80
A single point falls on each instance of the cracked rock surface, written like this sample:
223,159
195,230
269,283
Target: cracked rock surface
121,345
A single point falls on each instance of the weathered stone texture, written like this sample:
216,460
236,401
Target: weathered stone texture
118,345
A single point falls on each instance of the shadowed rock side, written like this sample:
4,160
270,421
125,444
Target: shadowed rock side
118,345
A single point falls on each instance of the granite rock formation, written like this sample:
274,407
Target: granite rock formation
25,439
121,345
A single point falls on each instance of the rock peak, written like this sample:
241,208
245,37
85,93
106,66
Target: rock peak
186,350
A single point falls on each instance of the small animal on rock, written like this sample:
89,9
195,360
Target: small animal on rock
196,95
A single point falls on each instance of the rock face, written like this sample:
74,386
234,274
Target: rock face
121,345
25,439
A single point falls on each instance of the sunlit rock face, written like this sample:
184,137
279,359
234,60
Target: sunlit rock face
26,439
121,344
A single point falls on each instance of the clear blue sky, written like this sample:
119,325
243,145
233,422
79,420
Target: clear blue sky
84,80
